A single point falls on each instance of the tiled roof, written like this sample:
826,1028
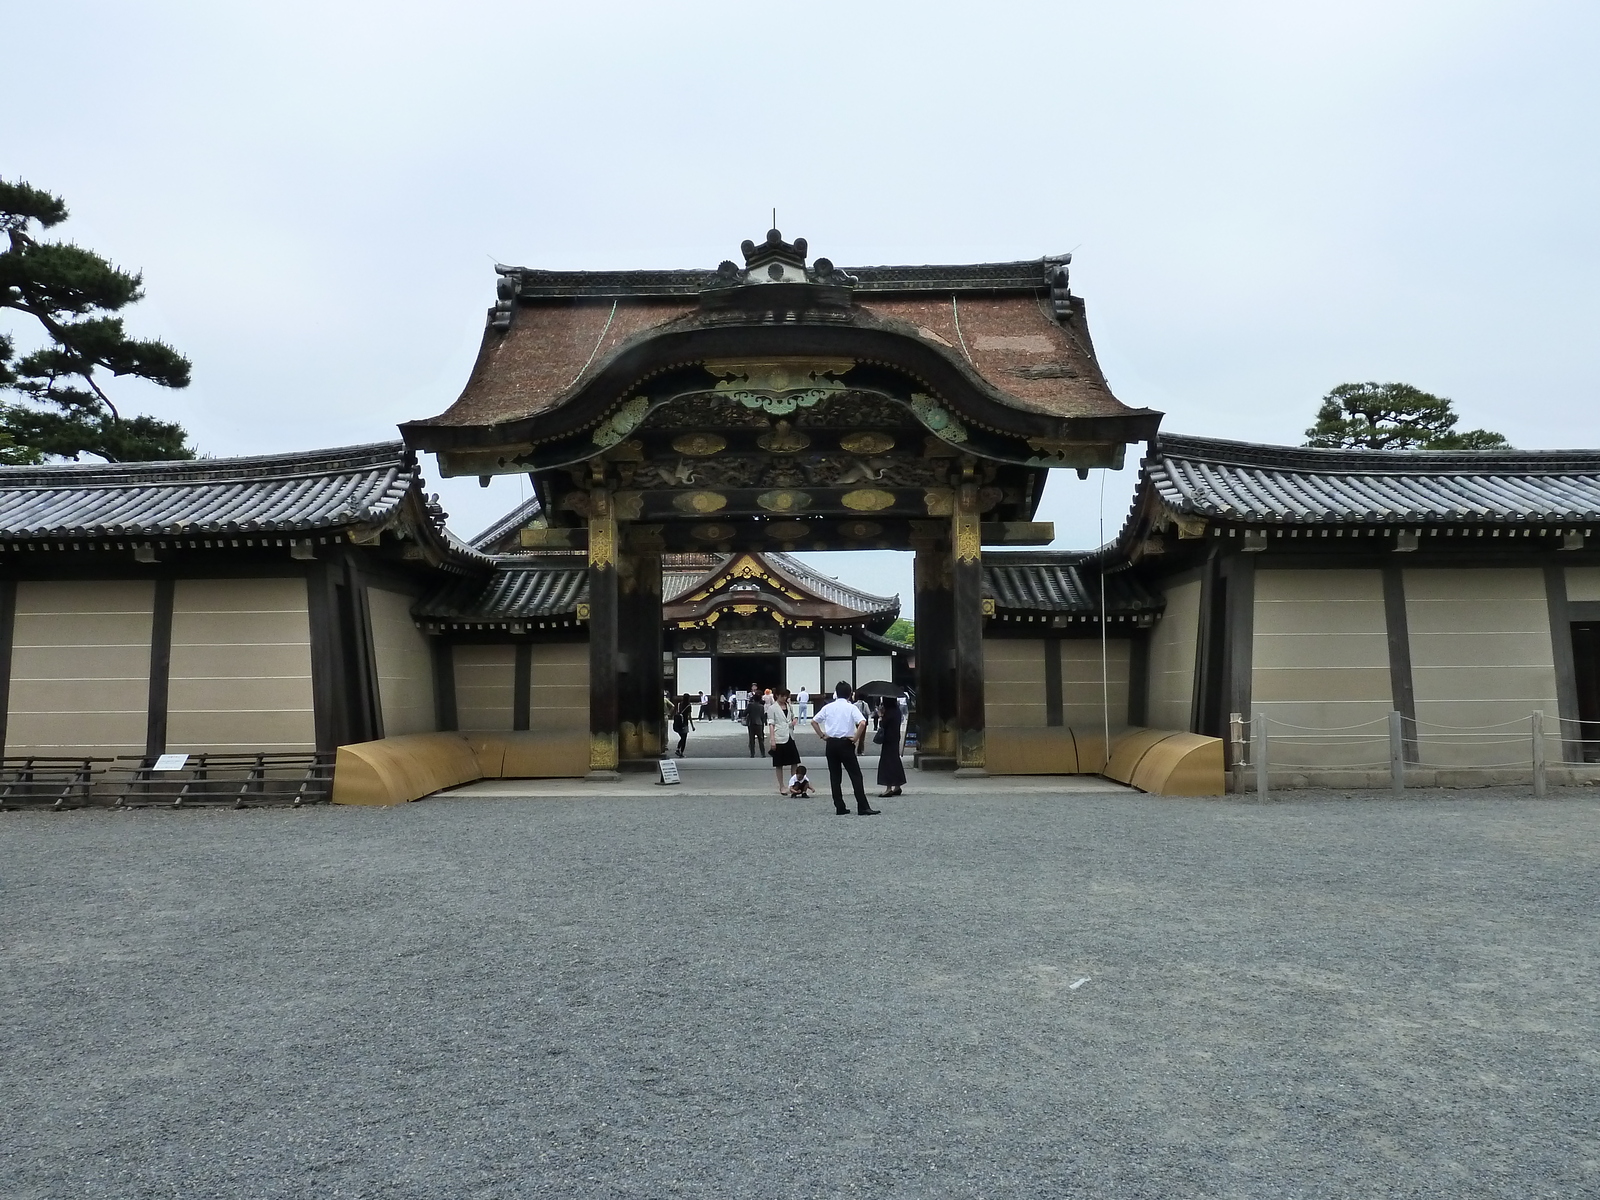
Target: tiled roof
312,490
533,283
507,528
831,589
1243,482
1060,583
520,589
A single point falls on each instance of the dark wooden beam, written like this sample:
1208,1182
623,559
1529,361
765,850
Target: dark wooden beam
522,686
1018,533
604,706
966,588
445,715
1555,595
155,735
1053,715
327,662
935,655
1238,639
1400,685
640,729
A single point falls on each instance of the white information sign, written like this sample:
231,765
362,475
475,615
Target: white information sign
171,762
669,772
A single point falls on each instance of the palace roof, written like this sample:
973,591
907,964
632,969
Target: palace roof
1247,483
368,487
778,580
504,536
1013,330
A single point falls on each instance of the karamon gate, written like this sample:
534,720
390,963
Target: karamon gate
784,406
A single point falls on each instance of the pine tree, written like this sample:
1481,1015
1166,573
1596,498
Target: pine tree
1393,416
72,293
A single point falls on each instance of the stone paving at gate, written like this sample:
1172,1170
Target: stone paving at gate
999,988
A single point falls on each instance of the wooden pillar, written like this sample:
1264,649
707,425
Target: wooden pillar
155,737
8,622
966,594
935,649
640,730
604,712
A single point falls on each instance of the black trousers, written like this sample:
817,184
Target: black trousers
755,738
683,739
841,754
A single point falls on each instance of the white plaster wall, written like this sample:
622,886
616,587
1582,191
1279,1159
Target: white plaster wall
1013,683
484,678
1320,661
404,664
1480,656
1083,699
1173,642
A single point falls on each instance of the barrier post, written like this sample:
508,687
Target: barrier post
1397,752
1537,724
1258,727
1236,741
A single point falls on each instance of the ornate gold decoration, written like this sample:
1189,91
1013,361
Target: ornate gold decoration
712,533
940,423
788,530
583,610
778,385
699,444
786,501
622,422
631,450
747,610
1190,527
860,529
988,606
602,752
628,505
782,439
941,502
965,535
700,502
602,529
867,500
969,751
866,443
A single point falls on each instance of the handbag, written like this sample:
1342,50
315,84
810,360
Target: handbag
877,738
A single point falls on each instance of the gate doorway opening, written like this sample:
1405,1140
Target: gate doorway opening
739,671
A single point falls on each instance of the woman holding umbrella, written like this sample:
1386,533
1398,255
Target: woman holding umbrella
891,771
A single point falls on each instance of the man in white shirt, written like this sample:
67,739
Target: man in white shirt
804,699
842,728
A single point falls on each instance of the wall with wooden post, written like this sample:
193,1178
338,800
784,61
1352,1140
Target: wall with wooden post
640,643
966,593
604,697
935,646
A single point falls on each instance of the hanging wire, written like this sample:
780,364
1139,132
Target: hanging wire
598,342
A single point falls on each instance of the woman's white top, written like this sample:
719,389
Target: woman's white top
782,724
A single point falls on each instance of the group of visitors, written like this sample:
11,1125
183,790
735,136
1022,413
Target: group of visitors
771,716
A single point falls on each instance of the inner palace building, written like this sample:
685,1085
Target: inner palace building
686,433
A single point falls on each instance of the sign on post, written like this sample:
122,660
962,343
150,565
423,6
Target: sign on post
171,762
669,772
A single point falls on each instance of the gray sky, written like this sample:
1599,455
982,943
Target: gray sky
1263,199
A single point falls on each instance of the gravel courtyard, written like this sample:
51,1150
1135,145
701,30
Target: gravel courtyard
725,995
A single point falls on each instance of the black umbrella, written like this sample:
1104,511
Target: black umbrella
877,689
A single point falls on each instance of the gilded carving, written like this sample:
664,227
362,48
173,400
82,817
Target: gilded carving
602,542
940,423
622,422
583,610
699,444
782,439
941,502
788,530
867,500
965,535
602,752
778,385
867,443
700,502
860,529
628,505
712,533
786,502
681,475
1063,452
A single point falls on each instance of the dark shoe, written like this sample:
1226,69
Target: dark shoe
841,812
866,812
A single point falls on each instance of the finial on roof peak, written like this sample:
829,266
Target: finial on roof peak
774,260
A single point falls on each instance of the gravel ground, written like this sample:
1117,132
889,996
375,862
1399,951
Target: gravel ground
687,994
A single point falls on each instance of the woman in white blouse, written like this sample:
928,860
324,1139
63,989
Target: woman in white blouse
781,717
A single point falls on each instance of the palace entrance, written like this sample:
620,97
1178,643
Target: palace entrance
774,407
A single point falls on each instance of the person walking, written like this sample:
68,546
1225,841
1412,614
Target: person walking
755,720
705,707
805,703
781,745
891,771
842,728
683,721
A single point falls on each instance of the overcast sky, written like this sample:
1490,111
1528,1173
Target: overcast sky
1263,199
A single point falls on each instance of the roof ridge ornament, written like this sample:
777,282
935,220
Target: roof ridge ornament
774,260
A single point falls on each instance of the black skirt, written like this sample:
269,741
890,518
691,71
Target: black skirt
785,754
